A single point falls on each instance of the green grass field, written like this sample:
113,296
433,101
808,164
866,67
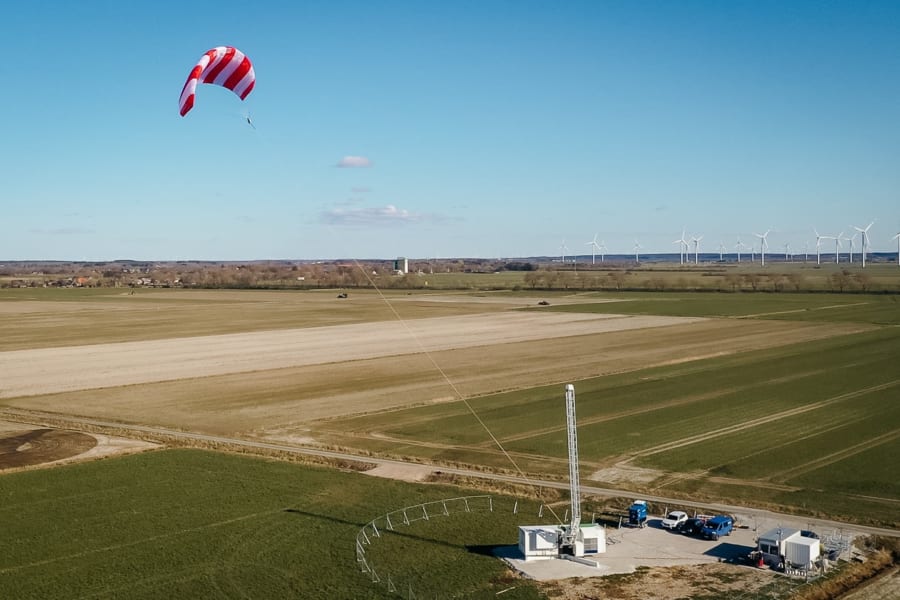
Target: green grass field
861,308
194,524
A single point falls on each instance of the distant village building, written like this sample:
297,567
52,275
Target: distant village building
401,265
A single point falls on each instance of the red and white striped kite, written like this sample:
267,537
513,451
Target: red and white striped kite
225,66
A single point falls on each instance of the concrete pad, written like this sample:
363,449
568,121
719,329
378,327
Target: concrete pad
629,548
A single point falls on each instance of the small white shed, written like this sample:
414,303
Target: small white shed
801,552
773,542
542,541
539,541
591,539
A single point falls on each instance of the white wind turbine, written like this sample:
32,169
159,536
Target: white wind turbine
851,240
819,239
837,246
787,252
740,246
563,249
721,250
594,247
683,247
763,244
865,241
602,249
637,247
805,251
696,241
897,237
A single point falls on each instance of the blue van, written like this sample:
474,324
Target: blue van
717,527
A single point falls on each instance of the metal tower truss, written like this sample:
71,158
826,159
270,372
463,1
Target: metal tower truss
574,481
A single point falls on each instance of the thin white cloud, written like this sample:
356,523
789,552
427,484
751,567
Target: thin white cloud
379,215
361,190
354,162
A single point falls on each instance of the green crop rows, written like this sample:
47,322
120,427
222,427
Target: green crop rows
818,418
193,524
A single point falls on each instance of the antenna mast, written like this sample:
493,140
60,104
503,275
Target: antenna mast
574,482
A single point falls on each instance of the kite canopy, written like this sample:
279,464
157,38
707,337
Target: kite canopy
225,66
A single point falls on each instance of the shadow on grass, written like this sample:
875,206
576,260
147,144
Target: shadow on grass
491,550
396,531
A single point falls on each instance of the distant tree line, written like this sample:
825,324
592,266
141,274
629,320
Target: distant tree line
363,274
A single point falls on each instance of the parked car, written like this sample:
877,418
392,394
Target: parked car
692,526
674,520
809,534
718,526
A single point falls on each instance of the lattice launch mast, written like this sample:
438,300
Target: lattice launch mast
574,481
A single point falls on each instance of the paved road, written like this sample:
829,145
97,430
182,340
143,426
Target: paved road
748,514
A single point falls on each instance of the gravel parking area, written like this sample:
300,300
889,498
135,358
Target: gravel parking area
629,548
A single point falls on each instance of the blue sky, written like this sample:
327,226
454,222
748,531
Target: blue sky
478,129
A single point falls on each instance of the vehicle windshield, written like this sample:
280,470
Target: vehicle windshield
674,516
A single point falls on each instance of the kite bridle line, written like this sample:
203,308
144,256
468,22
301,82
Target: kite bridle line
528,481
453,387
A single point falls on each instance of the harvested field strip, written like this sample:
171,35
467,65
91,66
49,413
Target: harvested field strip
66,317
108,365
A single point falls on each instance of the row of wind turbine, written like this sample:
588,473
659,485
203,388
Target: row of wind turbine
684,247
